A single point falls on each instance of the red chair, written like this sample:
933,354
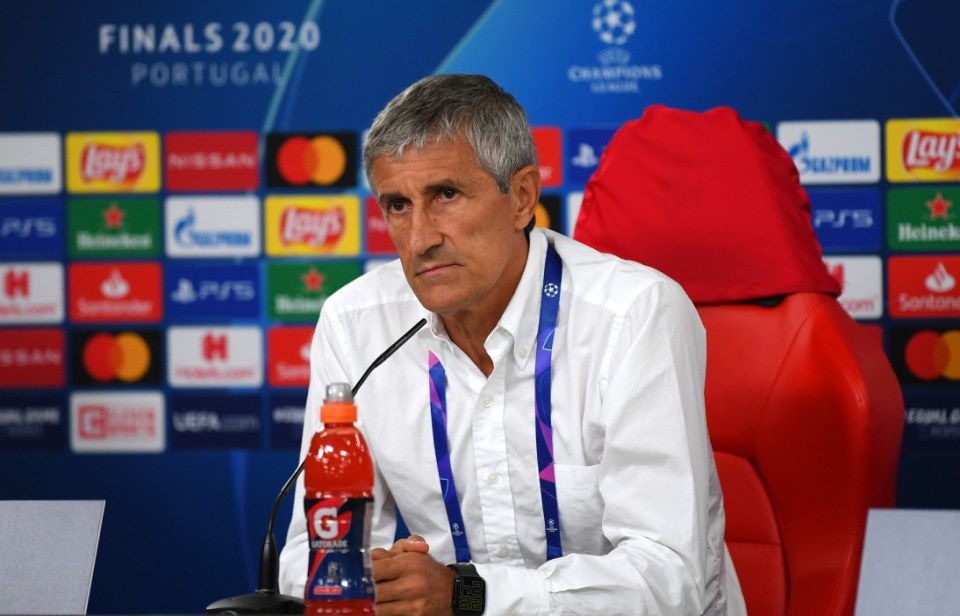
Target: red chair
804,410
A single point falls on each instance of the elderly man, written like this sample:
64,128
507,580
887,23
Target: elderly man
545,433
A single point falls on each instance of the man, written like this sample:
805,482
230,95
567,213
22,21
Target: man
593,492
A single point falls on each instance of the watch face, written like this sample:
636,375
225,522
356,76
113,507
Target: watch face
469,595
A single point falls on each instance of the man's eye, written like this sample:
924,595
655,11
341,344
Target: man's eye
448,193
396,206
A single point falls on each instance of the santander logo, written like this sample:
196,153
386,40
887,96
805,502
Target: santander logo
120,165
940,281
115,286
930,150
316,228
839,274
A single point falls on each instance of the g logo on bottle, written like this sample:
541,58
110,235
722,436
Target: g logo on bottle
325,523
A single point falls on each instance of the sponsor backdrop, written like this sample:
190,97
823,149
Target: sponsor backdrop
180,191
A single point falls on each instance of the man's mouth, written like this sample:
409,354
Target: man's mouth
433,268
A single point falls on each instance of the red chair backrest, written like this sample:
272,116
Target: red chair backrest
805,417
804,410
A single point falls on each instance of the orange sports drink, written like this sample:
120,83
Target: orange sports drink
338,478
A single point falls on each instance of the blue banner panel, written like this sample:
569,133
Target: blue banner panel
215,421
584,147
197,292
31,228
33,421
286,420
847,220
931,422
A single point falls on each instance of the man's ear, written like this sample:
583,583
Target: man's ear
525,186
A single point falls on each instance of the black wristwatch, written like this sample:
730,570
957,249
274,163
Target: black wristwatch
469,590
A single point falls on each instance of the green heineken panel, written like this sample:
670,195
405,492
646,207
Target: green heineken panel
923,218
113,228
297,291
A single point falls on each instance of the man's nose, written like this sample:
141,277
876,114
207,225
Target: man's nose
424,230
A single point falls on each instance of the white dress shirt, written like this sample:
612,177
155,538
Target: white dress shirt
640,505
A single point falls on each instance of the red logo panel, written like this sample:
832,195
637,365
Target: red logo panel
549,155
212,161
288,356
924,286
115,292
378,240
31,358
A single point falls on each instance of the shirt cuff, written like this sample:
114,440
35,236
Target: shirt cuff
514,591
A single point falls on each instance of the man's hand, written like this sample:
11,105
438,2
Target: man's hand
410,582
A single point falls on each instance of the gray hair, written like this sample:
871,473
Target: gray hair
444,107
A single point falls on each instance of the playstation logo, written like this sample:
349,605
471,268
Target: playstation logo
586,157
184,293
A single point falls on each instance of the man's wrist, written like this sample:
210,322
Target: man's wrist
469,590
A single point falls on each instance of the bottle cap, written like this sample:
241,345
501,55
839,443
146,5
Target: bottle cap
338,407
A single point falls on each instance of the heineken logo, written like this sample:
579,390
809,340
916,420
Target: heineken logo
923,218
298,291
114,228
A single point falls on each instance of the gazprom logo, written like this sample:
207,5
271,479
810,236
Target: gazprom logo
30,163
212,227
188,235
833,152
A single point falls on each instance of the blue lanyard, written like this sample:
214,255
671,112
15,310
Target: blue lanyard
549,307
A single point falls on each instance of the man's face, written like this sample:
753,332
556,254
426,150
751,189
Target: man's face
460,240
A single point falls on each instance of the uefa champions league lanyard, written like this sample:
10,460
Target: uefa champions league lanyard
549,307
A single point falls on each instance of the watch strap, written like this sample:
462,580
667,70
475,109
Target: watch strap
465,569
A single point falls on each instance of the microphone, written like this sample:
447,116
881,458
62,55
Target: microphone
267,599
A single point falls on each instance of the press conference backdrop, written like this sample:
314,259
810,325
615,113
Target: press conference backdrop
180,190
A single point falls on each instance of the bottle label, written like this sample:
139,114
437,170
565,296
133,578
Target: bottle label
339,565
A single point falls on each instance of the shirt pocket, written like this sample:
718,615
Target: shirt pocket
581,509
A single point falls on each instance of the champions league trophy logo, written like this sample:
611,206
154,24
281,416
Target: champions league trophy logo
613,21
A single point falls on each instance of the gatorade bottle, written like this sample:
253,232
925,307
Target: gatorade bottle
338,477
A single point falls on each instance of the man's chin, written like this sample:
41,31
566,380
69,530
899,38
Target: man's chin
435,302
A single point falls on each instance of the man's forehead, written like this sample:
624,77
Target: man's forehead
433,163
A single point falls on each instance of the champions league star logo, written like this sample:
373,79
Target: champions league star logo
613,21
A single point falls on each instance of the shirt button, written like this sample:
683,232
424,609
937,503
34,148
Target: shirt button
503,551
522,352
487,402
492,478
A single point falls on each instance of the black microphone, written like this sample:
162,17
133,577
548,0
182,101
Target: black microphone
267,599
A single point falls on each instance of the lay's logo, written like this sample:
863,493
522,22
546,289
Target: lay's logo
113,162
120,165
319,229
930,150
923,150
313,225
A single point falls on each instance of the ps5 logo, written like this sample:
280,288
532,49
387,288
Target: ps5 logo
188,292
20,228
837,219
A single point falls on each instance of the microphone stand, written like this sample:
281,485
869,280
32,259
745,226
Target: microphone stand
267,599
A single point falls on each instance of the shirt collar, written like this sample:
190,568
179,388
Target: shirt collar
521,317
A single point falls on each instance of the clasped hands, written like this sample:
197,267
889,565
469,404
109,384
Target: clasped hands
410,582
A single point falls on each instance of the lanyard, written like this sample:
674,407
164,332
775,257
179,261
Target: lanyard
549,307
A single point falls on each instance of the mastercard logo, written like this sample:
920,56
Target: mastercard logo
930,355
543,216
311,160
547,213
124,357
